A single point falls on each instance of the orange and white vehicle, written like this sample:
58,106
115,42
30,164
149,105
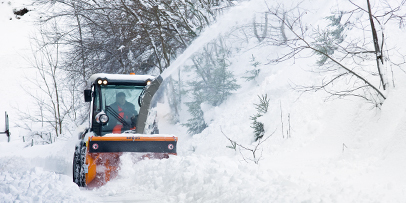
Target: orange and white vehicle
120,122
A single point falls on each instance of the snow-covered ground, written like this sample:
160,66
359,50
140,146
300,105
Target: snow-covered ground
338,151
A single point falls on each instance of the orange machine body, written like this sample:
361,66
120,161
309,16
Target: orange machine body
103,165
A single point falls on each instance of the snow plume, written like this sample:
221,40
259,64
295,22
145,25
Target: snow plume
223,25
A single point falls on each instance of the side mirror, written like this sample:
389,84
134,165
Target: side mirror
88,95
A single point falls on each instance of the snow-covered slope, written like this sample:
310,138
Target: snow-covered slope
338,151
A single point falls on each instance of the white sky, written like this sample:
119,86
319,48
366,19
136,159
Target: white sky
14,50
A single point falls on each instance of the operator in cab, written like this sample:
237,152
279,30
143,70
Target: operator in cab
127,115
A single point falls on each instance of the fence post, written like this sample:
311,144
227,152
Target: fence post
7,129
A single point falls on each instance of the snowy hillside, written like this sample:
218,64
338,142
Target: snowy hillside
319,150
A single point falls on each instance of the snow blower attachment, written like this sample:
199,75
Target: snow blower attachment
120,107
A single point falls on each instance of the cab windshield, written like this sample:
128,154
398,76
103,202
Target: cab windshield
120,103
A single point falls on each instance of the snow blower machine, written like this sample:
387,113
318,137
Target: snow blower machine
120,122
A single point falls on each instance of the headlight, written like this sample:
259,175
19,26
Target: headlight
102,81
148,82
102,118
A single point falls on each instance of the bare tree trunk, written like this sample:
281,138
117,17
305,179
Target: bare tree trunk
378,52
282,27
165,50
264,31
81,44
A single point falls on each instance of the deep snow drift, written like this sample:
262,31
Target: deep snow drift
339,150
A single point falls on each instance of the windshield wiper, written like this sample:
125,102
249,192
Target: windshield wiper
117,116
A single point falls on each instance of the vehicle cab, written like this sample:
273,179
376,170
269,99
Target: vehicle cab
120,103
